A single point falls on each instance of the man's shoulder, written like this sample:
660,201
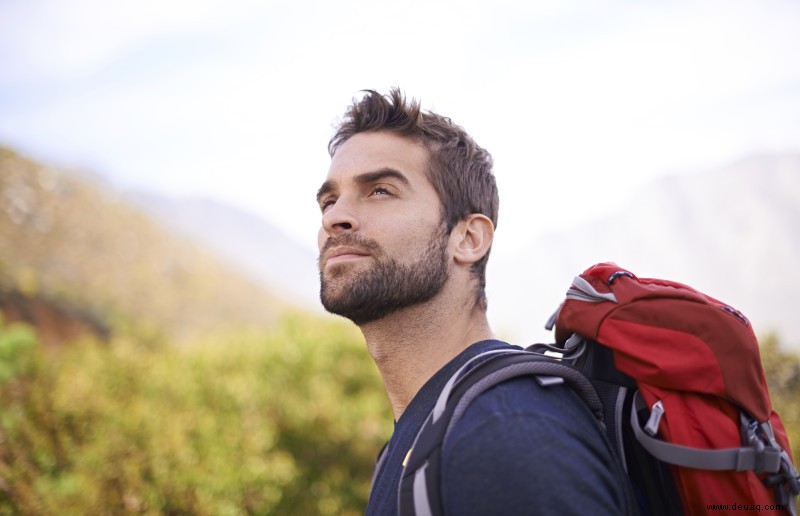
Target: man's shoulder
526,394
518,397
527,403
519,431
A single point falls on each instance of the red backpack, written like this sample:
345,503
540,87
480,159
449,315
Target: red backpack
674,377
701,402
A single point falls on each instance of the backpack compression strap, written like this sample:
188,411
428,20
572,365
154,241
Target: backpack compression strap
418,493
763,456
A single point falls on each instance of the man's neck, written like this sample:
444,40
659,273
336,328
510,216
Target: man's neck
411,345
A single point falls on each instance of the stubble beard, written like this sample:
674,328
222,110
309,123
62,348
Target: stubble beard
387,285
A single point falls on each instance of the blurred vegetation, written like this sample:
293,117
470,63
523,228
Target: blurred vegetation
282,423
287,422
783,378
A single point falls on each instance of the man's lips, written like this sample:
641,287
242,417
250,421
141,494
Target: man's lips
342,254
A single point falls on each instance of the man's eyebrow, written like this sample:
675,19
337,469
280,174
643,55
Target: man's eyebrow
378,175
365,179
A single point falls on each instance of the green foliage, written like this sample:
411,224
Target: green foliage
253,423
783,378
16,343
284,423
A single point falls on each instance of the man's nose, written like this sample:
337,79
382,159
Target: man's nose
340,217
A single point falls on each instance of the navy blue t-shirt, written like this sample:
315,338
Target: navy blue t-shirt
519,449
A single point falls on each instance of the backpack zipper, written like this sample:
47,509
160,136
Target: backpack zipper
656,413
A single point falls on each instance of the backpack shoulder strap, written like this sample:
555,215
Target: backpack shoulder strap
419,484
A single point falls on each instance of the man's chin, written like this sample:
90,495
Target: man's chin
335,304
339,270
334,292
359,315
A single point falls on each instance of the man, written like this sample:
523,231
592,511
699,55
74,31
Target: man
409,209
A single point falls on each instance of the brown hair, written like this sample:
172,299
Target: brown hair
459,169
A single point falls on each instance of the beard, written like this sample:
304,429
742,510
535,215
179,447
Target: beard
387,285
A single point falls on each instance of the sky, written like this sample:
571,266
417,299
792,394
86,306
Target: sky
580,103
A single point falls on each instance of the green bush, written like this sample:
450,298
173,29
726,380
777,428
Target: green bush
285,423
16,344
783,378
282,423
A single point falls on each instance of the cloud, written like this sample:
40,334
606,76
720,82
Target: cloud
62,39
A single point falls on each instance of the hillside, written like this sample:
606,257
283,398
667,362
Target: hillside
79,247
246,241
731,232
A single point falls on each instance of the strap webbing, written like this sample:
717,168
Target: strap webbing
738,459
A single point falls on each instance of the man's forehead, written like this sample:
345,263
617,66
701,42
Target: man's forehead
370,157
374,150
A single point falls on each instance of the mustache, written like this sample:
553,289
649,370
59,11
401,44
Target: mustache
350,240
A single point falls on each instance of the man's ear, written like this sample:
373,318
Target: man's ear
472,238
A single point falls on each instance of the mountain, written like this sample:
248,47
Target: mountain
244,240
731,233
70,245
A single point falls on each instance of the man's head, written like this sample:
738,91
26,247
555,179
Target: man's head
454,173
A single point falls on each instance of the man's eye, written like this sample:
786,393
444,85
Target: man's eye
379,190
326,203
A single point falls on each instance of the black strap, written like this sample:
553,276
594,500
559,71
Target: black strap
418,493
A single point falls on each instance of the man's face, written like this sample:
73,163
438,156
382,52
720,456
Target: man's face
382,242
